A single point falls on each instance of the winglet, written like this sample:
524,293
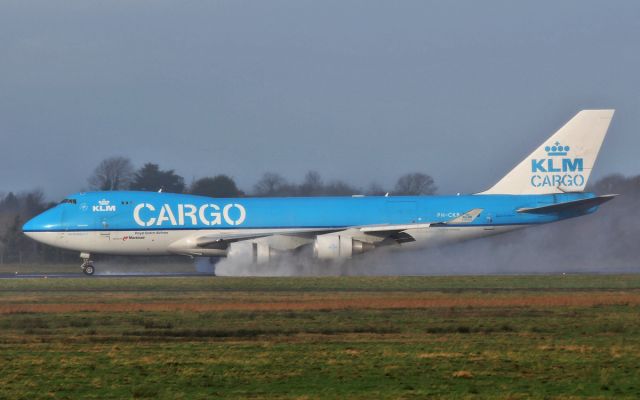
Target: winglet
467,217
463,219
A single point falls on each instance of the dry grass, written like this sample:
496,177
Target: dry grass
362,301
335,338
462,374
439,355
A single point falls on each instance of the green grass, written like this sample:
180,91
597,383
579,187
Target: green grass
330,284
466,351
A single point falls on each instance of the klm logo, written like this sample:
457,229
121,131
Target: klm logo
104,205
558,169
555,165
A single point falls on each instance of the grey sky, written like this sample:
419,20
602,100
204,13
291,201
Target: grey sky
357,90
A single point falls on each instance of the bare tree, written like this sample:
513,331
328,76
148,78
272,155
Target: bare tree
32,203
271,184
114,173
312,185
415,184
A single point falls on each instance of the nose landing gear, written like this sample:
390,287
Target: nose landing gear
87,268
87,265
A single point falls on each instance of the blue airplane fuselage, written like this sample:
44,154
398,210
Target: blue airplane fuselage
149,211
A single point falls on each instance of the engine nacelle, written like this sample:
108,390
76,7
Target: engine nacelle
339,247
250,253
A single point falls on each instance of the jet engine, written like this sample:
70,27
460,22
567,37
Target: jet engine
339,247
251,252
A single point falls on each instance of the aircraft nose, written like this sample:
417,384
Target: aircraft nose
47,221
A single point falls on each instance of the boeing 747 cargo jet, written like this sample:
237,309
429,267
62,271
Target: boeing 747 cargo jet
547,186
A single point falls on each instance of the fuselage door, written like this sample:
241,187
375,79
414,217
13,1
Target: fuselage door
488,221
105,213
64,226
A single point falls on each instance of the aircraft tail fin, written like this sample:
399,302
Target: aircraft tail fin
563,162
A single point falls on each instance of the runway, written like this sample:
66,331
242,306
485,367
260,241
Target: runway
98,276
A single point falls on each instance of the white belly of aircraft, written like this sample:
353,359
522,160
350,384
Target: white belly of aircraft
113,242
159,242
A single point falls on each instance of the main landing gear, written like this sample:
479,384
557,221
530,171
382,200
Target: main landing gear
87,264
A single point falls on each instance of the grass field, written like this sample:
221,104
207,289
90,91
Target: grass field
567,336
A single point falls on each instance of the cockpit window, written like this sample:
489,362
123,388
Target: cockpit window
69,201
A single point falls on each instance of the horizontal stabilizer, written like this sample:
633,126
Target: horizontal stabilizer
576,205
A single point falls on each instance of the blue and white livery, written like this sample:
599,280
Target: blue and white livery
547,186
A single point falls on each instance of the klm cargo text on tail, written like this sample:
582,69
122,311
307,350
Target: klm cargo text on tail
558,169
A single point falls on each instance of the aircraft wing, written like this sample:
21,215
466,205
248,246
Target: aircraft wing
222,241
295,237
463,219
218,243
391,228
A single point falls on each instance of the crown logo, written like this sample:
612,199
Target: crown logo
557,150
104,202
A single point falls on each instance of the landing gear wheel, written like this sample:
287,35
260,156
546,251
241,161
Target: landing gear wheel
88,269
87,264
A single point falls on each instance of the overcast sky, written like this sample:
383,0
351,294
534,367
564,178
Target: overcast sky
358,90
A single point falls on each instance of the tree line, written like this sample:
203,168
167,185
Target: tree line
616,226
15,209
118,173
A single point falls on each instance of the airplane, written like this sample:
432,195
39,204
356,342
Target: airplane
547,186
